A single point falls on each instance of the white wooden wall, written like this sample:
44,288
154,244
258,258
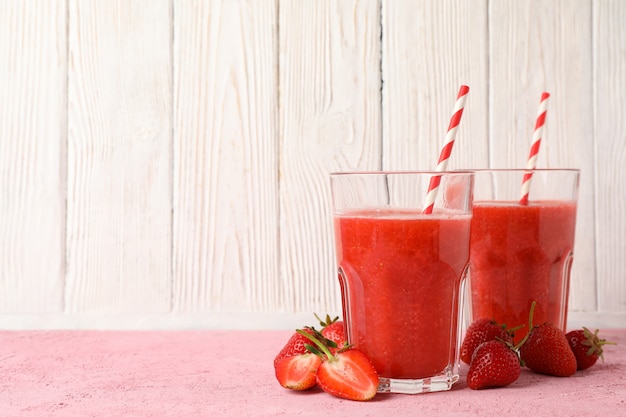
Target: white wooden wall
164,163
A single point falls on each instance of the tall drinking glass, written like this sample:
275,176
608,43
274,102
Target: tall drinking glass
520,253
402,273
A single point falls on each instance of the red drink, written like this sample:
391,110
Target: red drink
401,273
519,254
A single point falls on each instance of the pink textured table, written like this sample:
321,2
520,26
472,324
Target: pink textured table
230,373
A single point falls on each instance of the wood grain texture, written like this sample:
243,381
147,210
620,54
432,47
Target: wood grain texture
330,120
609,35
33,73
225,235
429,50
119,175
164,163
533,48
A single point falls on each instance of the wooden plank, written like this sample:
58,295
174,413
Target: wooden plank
33,71
533,48
429,50
330,120
119,176
225,232
609,69
214,153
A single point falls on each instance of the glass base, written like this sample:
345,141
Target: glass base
417,386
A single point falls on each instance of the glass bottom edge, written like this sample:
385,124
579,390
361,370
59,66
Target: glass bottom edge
416,386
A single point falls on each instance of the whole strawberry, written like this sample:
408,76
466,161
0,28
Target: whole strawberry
494,364
480,331
296,345
333,329
545,349
587,347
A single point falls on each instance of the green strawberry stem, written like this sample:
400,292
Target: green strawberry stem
530,326
326,322
514,329
595,343
324,349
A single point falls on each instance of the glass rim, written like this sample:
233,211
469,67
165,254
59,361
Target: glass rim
401,172
573,170
450,171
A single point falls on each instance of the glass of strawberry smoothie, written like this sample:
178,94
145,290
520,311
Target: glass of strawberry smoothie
520,253
402,273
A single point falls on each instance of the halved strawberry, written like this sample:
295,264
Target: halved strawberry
297,372
346,374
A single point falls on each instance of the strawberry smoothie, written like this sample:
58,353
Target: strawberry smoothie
519,254
400,274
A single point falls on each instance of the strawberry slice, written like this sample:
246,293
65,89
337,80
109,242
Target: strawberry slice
297,372
348,373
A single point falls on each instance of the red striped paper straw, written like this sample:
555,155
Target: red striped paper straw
534,147
444,155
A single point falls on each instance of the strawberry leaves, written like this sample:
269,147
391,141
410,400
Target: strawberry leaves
587,347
